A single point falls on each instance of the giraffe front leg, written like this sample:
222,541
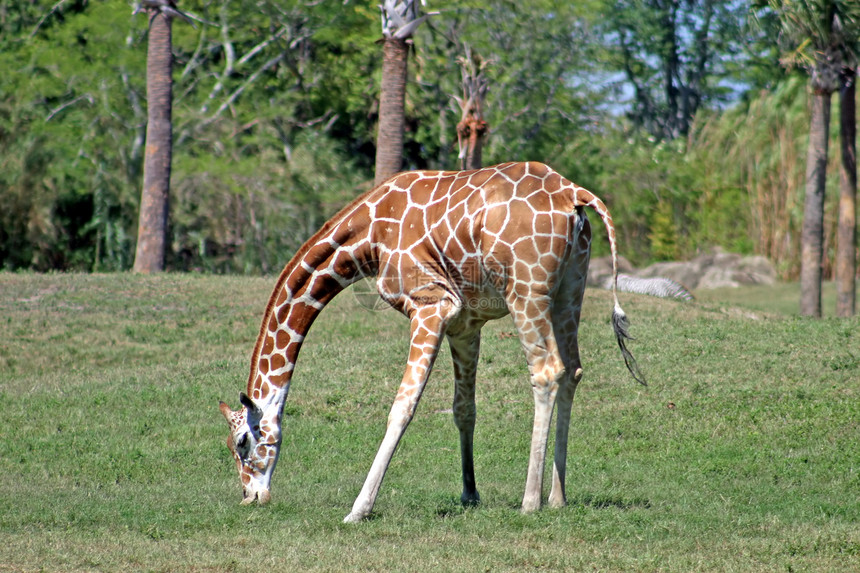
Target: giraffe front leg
398,420
464,352
425,340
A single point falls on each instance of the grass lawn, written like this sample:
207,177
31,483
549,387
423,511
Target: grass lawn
743,453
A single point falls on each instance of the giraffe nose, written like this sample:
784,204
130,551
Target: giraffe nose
262,497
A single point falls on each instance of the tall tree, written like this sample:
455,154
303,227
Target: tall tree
400,19
673,53
846,245
472,128
155,198
820,35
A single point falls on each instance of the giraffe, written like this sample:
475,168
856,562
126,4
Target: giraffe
450,250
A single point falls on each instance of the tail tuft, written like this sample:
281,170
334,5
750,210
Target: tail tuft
621,326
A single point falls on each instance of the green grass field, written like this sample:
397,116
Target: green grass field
743,453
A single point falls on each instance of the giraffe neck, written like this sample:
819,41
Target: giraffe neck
338,255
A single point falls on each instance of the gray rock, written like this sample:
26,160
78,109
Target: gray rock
717,269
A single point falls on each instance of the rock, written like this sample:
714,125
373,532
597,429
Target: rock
758,269
685,273
717,269
600,269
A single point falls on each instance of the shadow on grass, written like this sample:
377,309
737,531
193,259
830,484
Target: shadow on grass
453,507
609,502
585,500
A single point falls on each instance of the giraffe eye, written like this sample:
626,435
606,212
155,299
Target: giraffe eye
243,446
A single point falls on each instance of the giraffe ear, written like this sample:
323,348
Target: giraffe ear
247,402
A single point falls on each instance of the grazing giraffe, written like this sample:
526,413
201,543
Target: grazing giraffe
450,250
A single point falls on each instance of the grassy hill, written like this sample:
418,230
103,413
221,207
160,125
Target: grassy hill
743,453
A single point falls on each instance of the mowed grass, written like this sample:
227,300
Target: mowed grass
742,454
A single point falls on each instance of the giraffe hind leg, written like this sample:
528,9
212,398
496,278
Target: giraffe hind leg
564,402
464,352
546,368
567,308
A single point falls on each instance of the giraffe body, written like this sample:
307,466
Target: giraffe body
450,250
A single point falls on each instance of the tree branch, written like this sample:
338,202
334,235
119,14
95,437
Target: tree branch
69,103
41,21
238,91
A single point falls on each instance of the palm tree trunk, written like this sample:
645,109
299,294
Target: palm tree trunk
472,129
474,151
846,249
812,234
389,141
154,200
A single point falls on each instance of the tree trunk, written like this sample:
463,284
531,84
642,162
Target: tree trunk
846,249
474,153
154,200
812,235
472,129
470,134
389,141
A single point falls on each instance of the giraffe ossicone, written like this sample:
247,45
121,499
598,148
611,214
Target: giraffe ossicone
450,250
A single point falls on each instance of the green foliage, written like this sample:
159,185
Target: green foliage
253,139
275,123
763,146
669,199
245,214
116,460
71,143
664,236
675,57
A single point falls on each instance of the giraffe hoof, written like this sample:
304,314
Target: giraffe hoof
556,503
470,499
353,518
531,505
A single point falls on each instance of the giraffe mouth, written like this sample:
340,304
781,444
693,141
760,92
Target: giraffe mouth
259,497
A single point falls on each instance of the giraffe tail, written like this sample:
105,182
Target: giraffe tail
620,323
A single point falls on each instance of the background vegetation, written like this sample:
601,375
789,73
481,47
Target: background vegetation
275,107
741,454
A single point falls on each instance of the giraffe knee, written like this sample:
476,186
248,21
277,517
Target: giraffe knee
549,376
405,404
577,374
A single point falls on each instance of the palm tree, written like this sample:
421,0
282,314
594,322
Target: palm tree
472,128
846,241
400,19
822,36
155,198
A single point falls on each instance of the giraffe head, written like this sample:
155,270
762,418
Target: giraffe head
254,441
